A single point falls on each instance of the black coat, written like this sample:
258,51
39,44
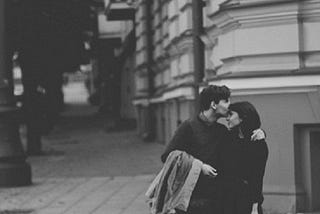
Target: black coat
240,174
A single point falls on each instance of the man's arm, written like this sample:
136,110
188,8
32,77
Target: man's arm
180,140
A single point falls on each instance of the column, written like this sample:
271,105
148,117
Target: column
14,171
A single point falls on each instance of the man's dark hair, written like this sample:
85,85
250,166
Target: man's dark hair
249,115
213,93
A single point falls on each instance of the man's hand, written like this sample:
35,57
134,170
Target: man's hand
209,170
258,134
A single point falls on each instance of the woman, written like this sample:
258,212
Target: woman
242,162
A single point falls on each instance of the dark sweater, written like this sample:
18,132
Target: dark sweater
245,160
201,140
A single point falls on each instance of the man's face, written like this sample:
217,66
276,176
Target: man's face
222,107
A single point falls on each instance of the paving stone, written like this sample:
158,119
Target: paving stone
96,199
86,170
68,200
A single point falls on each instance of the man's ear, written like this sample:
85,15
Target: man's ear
213,105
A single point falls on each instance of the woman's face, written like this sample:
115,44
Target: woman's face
233,119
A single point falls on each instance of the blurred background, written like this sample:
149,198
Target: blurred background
96,88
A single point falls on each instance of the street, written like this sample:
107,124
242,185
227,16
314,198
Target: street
85,169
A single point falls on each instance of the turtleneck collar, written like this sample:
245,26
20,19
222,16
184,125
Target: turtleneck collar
205,120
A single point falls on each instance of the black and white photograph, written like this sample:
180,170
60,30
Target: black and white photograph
159,107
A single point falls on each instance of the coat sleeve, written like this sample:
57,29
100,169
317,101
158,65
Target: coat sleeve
259,164
179,141
222,148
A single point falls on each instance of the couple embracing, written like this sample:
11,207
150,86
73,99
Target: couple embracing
230,160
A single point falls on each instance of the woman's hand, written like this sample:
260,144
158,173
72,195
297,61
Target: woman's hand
209,170
254,208
258,134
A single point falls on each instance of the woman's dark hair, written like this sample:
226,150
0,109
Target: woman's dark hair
249,115
213,93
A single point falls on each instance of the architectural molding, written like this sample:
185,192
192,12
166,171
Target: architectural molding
186,93
270,85
187,5
310,10
141,69
237,53
283,190
208,41
181,79
162,62
141,101
274,14
173,18
250,3
140,33
260,63
180,45
185,44
143,48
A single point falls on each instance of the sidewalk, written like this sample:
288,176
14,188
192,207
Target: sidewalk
85,170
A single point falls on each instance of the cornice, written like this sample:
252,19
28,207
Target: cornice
224,22
271,13
164,18
158,42
208,40
268,73
173,18
310,11
143,48
277,84
181,44
187,6
184,91
184,76
158,9
141,34
161,63
280,11
164,58
236,4
279,18
182,79
159,91
141,69
141,18
157,26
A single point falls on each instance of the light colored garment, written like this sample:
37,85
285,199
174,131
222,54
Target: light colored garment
173,186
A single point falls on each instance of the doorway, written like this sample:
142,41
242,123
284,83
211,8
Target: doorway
307,170
314,202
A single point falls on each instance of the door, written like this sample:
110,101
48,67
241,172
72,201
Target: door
314,203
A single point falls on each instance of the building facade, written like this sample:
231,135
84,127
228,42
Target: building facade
113,68
266,51
164,82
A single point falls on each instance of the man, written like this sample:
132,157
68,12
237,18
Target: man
200,136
